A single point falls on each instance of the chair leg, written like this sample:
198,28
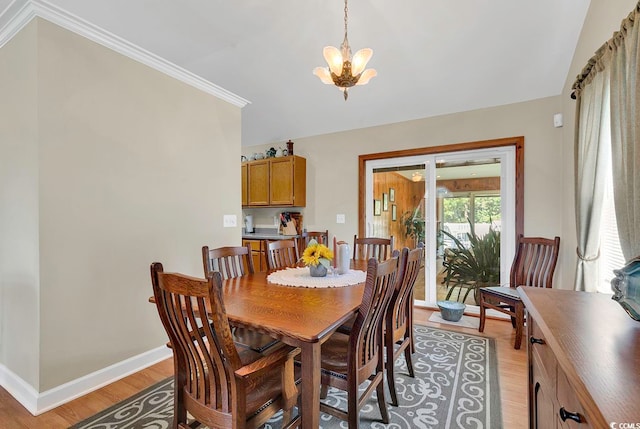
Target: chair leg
407,357
410,324
482,314
391,377
324,390
381,402
519,311
353,413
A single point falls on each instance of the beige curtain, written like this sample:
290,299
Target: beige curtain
625,137
608,88
592,163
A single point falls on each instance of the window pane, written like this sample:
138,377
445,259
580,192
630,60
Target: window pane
487,209
456,211
611,257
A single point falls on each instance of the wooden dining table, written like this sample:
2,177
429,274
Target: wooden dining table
299,316
302,317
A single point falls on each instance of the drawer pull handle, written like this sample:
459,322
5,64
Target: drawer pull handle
534,340
564,415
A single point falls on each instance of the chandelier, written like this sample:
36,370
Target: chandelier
343,71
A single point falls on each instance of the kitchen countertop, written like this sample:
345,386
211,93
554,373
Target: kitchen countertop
265,234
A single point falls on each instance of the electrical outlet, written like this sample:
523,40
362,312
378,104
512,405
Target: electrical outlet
229,221
340,218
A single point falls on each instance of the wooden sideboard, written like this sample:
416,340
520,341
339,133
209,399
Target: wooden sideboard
584,360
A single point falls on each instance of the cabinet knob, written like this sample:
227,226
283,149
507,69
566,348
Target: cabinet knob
534,340
564,415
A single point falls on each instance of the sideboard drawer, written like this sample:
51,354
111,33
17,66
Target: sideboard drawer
541,350
569,405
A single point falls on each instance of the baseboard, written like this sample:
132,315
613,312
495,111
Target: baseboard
38,403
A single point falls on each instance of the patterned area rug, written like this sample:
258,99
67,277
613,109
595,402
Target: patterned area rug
456,386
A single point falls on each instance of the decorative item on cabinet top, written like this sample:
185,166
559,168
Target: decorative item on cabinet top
626,287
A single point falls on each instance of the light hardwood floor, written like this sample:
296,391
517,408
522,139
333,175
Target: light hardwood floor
512,365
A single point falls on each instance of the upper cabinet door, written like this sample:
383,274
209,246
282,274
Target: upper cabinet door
258,182
282,179
288,181
245,190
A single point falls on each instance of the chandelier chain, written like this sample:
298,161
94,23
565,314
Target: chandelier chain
346,11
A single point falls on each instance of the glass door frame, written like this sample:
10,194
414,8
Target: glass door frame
517,184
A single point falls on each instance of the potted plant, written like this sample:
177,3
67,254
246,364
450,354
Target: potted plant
475,266
413,222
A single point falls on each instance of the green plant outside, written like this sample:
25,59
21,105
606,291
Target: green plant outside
473,267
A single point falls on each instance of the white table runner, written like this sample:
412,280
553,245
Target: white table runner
300,277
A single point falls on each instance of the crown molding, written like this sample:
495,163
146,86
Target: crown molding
20,12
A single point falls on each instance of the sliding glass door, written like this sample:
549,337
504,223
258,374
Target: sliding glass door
441,200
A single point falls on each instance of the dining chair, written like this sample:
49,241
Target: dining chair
282,254
322,237
372,247
217,384
533,265
232,262
348,360
398,320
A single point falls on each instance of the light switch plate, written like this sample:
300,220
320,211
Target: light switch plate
229,221
340,218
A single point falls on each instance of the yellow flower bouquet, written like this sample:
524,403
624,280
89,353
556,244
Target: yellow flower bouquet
318,258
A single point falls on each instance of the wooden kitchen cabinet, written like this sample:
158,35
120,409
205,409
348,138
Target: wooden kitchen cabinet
257,254
243,175
582,356
277,182
258,183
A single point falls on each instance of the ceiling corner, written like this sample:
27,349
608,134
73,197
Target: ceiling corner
20,12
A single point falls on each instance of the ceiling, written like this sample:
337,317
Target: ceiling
450,171
433,57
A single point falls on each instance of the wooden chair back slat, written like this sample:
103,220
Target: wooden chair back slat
282,254
366,333
205,352
322,237
231,261
408,270
372,247
535,262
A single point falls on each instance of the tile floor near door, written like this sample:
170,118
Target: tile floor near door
512,367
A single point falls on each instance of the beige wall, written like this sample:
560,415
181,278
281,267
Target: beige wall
603,18
332,174
332,160
133,167
19,276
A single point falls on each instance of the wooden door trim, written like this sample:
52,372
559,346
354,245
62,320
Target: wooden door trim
517,142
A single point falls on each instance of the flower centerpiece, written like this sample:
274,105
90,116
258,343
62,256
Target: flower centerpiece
318,258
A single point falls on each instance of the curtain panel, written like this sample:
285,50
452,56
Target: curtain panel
607,131
625,120
592,164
